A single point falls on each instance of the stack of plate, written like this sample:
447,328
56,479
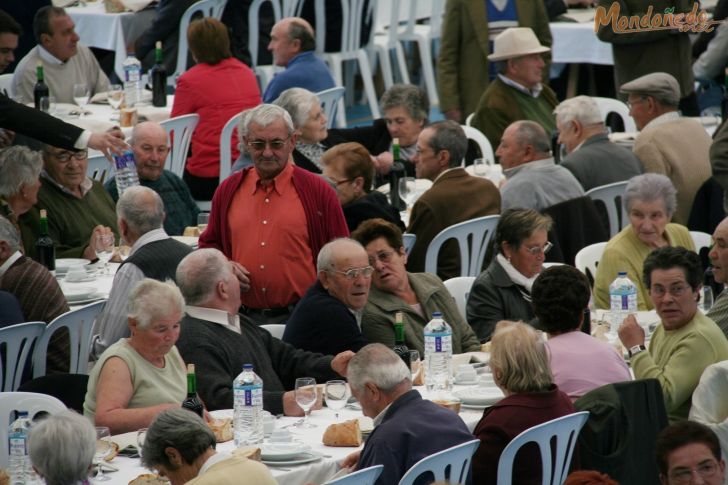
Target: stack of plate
79,295
479,397
286,454
64,264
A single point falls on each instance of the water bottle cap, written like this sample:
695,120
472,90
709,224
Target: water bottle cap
247,366
436,314
22,414
621,274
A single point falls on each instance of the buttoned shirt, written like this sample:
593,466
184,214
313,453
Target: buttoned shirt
85,186
227,320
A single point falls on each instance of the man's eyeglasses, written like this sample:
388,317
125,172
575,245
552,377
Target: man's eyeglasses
339,182
383,256
259,145
354,273
674,290
66,156
536,250
685,475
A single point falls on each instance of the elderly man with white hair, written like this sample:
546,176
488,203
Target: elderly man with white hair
153,254
592,158
407,428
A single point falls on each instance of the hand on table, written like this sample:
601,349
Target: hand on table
631,333
242,275
340,362
90,251
351,460
291,407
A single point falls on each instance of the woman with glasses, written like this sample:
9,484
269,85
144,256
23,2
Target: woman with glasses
650,201
416,295
503,291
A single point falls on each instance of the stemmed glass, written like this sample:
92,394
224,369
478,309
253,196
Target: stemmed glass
306,397
115,96
415,363
140,437
336,395
103,446
81,94
104,249
480,167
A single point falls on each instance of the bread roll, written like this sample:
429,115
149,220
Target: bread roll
4,477
250,452
343,434
223,429
149,479
112,452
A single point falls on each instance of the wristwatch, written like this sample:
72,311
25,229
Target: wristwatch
636,350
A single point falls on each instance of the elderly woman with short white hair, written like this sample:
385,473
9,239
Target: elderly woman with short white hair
19,181
62,447
138,377
310,123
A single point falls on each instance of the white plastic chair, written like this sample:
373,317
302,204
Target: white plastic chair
459,287
98,168
387,41
478,137
367,476
16,342
587,260
275,329
610,105
179,130
80,325
473,238
6,84
701,240
565,430
456,459
469,120
226,156
329,99
408,241
33,403
205,8
612,195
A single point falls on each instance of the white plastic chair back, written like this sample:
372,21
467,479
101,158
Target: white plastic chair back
387,40
469,120
6,84
408,241
179,131
329,99
455,459
207,8
612,195
275,329
708,401
565,430
473,238
80,325
367,476
459,287
701,240
99,168
587,260
16,342
478,137
610,105
33,403
226,148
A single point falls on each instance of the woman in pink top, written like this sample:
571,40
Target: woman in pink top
217,88
579,362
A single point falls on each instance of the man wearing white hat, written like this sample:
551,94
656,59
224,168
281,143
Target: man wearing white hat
517,93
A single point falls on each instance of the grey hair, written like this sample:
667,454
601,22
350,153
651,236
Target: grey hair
412,98
180,429
19,166
263,115
650,187
449,136
582,109
62,447
379,365
531,133
325,260
198,273
150,300
298,102
142,209
9,234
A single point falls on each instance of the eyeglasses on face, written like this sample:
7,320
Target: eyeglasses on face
66,155
383,256
338,182
685,475
259,145
675,290
354,273
536,250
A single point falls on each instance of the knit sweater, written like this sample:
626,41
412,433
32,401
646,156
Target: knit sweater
180,210
219,354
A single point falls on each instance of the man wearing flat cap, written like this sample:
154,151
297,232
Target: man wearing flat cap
667,143
517,93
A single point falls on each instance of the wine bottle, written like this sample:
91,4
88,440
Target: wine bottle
400,347
159,78
41,94
192,402
44,248
395,173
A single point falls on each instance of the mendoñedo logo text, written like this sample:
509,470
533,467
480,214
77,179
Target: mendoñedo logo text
693,21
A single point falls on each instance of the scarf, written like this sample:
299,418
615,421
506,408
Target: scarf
524,284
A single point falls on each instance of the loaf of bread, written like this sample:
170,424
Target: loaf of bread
250,452
149,479
4,477
343,434
223,429
113,451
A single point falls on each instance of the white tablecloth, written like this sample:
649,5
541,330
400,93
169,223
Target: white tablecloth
578,43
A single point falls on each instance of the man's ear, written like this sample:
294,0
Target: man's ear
175,458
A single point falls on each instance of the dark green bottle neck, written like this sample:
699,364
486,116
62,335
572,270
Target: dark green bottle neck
158,56
399,333
395,152
191,384
43,226
39,73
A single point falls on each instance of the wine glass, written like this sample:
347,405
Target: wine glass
406,189
306,397
104,249
140,437
81,94
415,363
336,395
115,96
480,167
103,446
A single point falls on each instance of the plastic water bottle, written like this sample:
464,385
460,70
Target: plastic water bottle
248,407
132,80
126,172
20,469
622,299
438,354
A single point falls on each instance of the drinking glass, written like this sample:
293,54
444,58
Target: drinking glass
336,395
81,94
115,96
103,446
306,397
706,298
123,250
202,219
480,167
406,189
415,363
140,437
104,249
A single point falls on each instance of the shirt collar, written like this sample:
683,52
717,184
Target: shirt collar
48,57
227,320
535,92
443,173
86,185
213,460
279,182
379,417
663,118
544,162
9,262
146,238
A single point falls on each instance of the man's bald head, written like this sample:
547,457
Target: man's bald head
290,37
141,210
150,144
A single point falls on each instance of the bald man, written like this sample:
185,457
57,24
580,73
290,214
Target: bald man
719,259
151,147
292,43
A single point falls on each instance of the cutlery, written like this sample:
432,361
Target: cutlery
295,423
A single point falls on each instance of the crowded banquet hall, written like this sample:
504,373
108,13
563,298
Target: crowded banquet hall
365,242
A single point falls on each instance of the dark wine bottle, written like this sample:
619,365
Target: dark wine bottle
44,248
41,94
400,347
193,402
159,78
396,172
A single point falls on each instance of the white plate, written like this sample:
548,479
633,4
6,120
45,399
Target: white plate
63,264
188,240
306,457
479,395
90,299
475,407
85,279
282,451
466,383
75,293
